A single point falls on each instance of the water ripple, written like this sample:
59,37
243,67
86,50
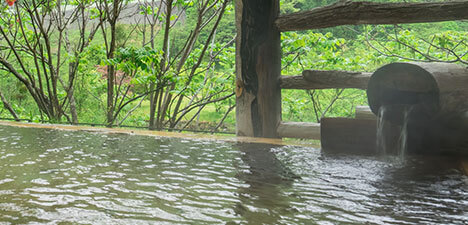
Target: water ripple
54,177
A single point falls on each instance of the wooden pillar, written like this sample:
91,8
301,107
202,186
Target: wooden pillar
258,68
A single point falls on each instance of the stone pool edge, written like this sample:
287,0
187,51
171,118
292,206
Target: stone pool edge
157,133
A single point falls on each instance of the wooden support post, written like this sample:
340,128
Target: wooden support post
258,68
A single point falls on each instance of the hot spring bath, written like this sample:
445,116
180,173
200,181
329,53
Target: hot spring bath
54,176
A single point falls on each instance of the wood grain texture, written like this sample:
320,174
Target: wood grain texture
354,13
433,87
258,68
323,79
299,130
341,79
452,82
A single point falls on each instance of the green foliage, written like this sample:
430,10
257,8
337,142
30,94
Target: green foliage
352,48
377,46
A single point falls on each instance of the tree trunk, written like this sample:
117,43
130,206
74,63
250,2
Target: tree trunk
153,99
111,71
72,67
156,120
73,112
8,107
110,95
154,94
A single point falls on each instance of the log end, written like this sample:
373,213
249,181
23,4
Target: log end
399,85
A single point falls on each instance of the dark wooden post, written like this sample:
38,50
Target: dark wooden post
258,68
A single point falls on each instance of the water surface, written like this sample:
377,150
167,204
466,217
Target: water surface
52,176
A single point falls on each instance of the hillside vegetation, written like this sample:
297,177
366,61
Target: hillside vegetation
170,64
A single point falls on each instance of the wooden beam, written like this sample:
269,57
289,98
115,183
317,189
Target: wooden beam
364,112
258,68
354,13
298,82
323,79
343,79
299,130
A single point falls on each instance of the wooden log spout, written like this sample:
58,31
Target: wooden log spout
433,88
430,98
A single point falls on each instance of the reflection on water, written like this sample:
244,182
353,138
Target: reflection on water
263,200
49,176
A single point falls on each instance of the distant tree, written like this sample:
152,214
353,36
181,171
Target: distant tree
177,71
35,48
109,15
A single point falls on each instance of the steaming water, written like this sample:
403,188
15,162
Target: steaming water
61,177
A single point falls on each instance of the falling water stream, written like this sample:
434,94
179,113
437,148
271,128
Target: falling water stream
76,177
403,139
384,142
381,128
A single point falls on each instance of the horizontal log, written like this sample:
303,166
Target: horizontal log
323,79
298,82
364,112
354,13
341,79
299,130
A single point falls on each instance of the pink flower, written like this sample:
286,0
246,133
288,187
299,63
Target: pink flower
10,2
